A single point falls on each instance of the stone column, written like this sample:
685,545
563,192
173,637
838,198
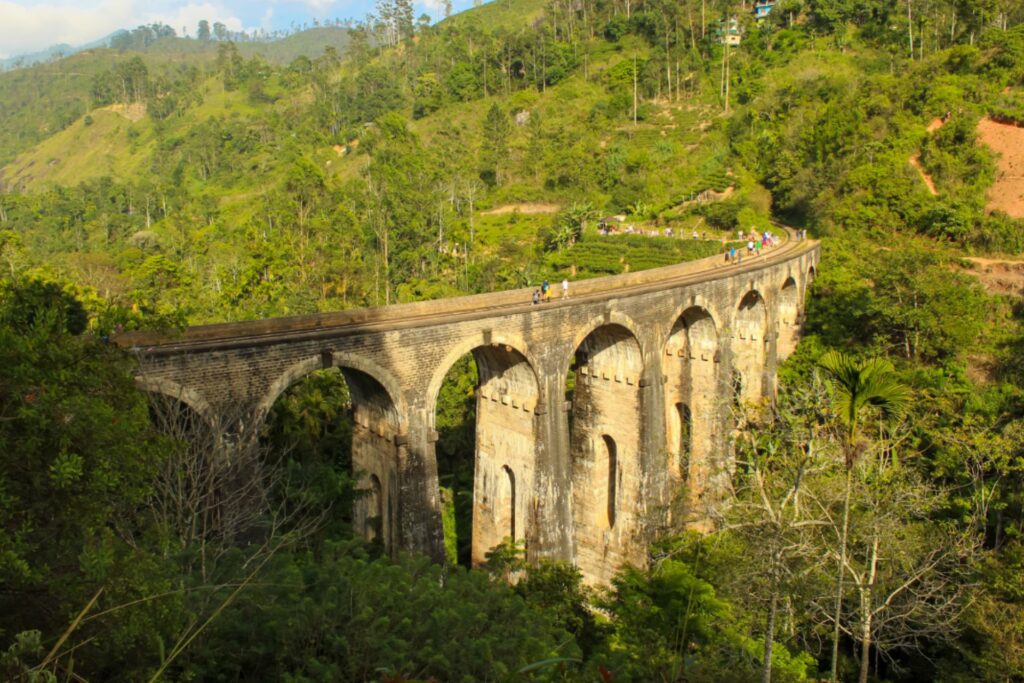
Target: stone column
551,513
419,507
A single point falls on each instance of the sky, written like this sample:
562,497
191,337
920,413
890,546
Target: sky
31,25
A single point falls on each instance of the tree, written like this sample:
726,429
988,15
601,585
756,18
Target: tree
77,461
203,30
496,130
855,387
773,514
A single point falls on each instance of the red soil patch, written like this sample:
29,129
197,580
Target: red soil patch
935,124
1007,140
999,276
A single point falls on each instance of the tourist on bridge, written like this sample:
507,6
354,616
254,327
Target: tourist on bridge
565,288
536,297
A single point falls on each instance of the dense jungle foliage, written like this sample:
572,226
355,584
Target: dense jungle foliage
874,530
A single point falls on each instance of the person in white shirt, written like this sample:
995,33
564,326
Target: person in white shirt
565,288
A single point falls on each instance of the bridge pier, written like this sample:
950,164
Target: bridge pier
551,512
419,507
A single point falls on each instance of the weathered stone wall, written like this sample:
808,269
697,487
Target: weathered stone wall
645,344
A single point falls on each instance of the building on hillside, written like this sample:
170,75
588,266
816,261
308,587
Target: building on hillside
729,33
762,8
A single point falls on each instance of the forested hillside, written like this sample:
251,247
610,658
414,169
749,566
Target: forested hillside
874,527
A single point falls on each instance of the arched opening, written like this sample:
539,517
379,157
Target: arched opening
691,365
370,515
215,485
485,420
334,431
610,463
749,352
736,386
511,501
684,420
789,318
603,392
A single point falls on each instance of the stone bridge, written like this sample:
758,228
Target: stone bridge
658,360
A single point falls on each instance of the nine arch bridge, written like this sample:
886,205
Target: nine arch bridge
659,358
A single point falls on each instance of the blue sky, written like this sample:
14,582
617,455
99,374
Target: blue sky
30,25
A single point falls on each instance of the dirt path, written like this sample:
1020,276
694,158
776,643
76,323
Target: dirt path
915,161
1007,140
522,208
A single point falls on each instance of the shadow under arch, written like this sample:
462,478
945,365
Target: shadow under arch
189,397
692,370
605,437
504,445
749,344
612,319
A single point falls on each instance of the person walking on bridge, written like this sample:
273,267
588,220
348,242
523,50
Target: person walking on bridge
565,288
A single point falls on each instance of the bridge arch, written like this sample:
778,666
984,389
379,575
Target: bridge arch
472,345
692,365
190,397
611,319
300,369
750,323
378,420
505,443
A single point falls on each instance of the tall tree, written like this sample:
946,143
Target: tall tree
856,386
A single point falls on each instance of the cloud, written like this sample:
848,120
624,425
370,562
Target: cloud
435,8
29,26
25,29
189,15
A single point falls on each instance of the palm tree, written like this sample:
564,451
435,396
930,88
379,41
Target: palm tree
857,385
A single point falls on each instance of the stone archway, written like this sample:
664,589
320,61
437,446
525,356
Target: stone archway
376,439
505,443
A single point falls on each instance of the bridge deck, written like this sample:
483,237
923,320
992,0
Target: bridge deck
424,313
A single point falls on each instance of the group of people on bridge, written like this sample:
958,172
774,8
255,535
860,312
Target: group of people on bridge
755,244
544,293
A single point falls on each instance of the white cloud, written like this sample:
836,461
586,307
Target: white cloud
189,15
27,26
435,8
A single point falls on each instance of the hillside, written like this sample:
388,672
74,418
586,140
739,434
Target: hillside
870,525
41,100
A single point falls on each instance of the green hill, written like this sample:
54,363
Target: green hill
250,170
